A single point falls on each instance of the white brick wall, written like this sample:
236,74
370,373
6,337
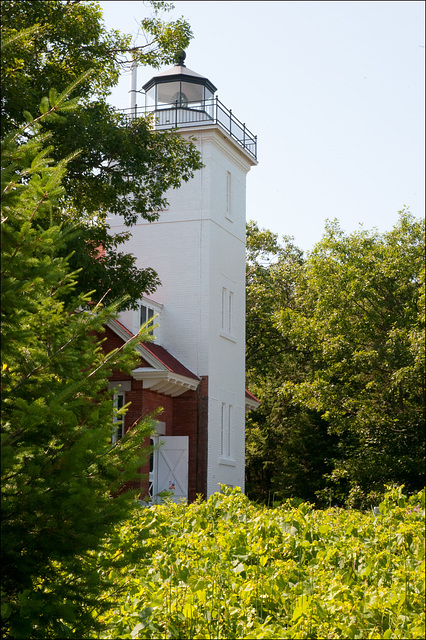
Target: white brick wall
197,247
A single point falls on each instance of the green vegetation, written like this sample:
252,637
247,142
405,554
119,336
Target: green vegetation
59,469
121,167
227,568
335,352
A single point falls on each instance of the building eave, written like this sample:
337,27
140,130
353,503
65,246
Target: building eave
165,382
221,138
251,402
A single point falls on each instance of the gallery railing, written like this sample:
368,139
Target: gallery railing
188,114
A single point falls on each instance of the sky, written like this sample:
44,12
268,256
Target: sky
334,92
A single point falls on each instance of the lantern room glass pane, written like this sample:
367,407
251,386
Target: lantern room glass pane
150,97
208,95
208,102
193,92
167,92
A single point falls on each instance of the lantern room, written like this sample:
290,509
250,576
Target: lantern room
179,87
181,98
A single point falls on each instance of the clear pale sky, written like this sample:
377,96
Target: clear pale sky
334,92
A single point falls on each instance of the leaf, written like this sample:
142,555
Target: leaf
6,610
136,629
44,105
321,612
189,611
53,97
301,607
324,528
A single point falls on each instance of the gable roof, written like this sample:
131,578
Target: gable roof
163,359
178,379
251,396
166,359
164,373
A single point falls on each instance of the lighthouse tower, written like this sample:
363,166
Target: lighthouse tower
197,247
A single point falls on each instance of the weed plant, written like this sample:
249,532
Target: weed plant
226,568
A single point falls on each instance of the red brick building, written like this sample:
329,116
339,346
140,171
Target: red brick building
162,382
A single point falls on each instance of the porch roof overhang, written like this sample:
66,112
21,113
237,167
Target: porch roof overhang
164,373
164,381
252,402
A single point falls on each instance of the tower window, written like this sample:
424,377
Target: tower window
227,310
147,315
225,429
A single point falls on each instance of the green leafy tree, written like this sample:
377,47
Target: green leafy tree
288,449
124,166
59,469
335,352
359,315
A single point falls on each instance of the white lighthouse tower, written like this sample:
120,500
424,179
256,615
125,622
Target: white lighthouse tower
197,247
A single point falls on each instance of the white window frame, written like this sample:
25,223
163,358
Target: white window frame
226,426
146,315
227,313
160,429
119,401
152,315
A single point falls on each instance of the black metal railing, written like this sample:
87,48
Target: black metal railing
203,113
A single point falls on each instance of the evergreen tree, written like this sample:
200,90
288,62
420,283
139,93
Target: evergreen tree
59,469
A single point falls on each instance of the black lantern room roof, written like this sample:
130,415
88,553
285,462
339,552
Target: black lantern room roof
179,72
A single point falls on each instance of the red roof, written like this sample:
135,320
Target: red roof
170,362
162,355
251,396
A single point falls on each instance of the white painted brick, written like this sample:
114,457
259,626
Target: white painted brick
197,250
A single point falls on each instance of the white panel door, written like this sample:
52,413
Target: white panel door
172,466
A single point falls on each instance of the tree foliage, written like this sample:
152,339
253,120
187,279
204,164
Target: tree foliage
288,449
359,315
124,166
354,326
59,469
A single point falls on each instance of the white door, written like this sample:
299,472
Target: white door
169,467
